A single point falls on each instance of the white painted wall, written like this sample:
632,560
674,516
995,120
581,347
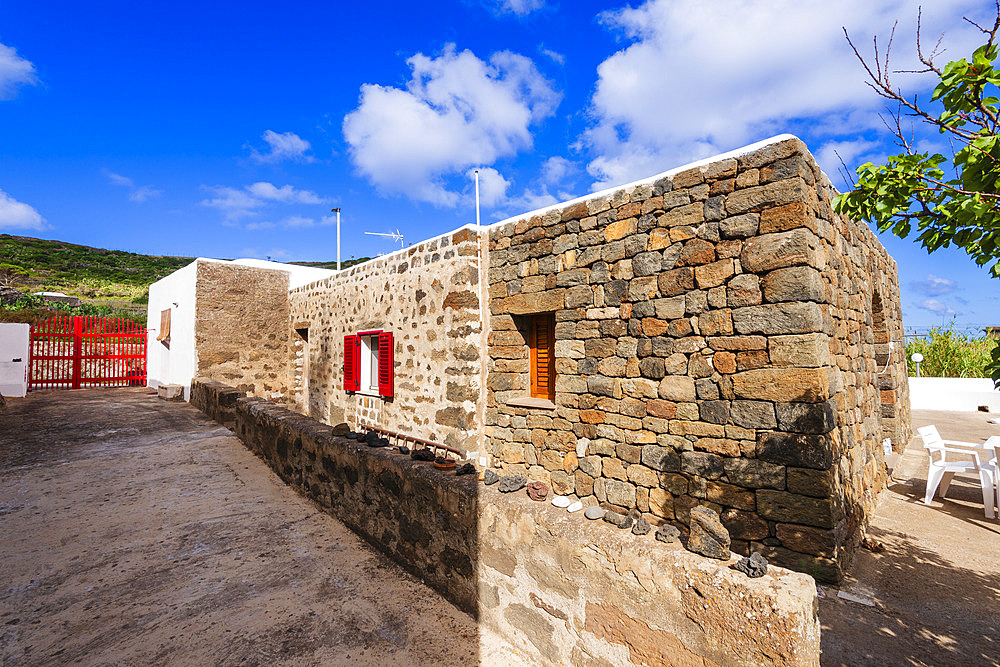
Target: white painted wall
174,364
959,394
14,341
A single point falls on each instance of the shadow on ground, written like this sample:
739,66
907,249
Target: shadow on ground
937,583
139,532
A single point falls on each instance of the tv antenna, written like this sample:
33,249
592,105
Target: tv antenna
395,236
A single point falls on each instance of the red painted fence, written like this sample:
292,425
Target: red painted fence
86,351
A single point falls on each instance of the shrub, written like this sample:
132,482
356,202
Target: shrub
950,353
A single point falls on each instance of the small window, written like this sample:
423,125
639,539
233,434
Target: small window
164,335
368,363
541,341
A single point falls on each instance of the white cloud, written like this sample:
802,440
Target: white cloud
516,7
559,171
284,146
15,71
118,179
937,307
456,112
285,194
144,193
237,204
934,285
554,56
293,222
492,185
699,78
18,215
138,194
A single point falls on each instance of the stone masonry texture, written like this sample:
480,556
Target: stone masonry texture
429,297
241,328
723,338
540,583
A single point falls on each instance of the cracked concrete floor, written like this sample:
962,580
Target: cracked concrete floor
134,531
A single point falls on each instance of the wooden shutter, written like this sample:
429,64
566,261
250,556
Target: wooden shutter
385,364
352,370
543,358
164,326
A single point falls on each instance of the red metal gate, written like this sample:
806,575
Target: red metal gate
86,351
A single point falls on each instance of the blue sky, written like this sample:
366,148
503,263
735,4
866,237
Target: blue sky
232,129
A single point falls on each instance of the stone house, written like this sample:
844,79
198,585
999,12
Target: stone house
714,335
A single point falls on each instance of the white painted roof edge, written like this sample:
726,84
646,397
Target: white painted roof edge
745,150
403,251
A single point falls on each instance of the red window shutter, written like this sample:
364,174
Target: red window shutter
352,374
385,364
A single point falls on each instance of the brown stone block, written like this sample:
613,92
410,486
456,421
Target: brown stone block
794,283
677,389
660,408
808,482
888,396
574,212
584,484
789,216
619,229
761,197
738,343
720,446
724,362
795,449
743,525
744,290
540,302
661,503
631,210
778,318
652,326
695,252
676,281
806,539
806,385
716,323
778,250
659,239
728,495
787,507
464,299
804,350
679,328
592,416
714,274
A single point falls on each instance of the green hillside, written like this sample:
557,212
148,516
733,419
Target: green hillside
38,265
109,282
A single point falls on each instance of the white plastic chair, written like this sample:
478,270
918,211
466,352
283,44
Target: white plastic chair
995,440
941,471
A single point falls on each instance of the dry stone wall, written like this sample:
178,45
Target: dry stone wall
430,297
559,588
720,341
241,328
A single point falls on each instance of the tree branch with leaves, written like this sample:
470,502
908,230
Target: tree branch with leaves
949,201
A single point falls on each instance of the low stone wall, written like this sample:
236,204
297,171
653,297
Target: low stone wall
413,513
559,588
568,591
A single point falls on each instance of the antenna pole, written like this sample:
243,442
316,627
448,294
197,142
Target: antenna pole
337,211
477,198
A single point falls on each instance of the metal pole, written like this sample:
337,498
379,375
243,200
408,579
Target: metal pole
477,197
337,211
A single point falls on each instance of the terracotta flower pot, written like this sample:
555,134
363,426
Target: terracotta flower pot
444,463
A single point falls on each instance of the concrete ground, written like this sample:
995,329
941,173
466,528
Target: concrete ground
134,531
936,587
